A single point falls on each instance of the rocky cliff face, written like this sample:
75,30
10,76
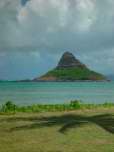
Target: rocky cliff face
71,69
68,60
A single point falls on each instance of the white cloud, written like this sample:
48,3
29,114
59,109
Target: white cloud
79,14
50,22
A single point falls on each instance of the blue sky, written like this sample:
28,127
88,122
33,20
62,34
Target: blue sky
35,33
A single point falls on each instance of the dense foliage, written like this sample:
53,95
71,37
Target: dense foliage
75,74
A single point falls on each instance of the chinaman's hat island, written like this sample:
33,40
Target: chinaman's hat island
71,69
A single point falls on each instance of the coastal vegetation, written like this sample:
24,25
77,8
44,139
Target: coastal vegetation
73,105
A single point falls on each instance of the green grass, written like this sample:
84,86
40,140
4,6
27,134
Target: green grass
75,74
84,130
10,107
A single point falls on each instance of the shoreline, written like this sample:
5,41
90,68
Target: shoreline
29,81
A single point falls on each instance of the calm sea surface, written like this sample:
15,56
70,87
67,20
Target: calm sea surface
56,92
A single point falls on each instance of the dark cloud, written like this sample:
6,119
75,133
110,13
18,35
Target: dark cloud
23,2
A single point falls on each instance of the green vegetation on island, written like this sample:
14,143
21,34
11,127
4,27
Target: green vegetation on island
75,74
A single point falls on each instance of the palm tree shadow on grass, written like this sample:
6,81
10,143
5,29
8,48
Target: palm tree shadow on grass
105,121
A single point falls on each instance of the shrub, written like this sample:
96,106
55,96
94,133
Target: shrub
8,106
76,104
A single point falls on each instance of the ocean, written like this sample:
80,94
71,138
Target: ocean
27,93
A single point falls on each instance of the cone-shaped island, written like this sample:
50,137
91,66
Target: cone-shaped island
71,69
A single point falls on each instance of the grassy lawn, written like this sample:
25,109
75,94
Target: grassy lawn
73,131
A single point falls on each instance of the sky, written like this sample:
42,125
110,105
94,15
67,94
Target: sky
35,33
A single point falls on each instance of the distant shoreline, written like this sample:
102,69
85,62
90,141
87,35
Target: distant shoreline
2,81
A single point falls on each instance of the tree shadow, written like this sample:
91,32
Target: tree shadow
67,122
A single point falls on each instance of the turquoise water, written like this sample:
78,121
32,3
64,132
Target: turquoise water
56,92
